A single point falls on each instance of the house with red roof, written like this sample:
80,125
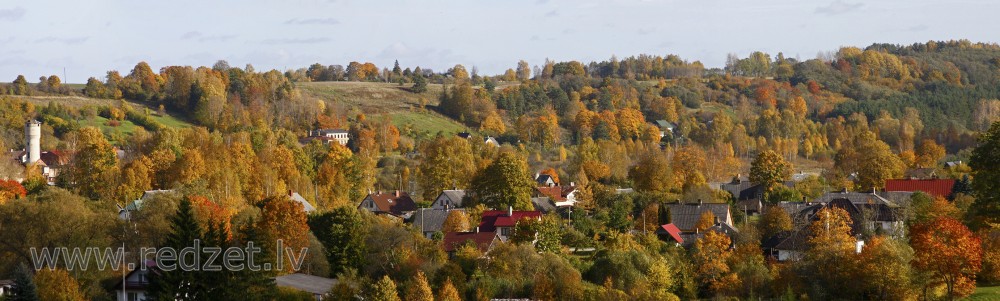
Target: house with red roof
397,204
934,187
670,233
484,241
503,221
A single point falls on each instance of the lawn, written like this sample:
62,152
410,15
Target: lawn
126,127
429,123
984,293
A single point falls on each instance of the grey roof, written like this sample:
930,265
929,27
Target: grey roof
686,215
431,220
305,204
543,204
331,131
855,197
455,196
307,283
146,195
624,190
664,124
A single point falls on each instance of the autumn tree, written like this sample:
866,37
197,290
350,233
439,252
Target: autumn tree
891,260
505,182
447,163
418,289
705,221
285,220
523,70
447,292
710,257
94,164
774,220
770,170
947,249
457,221
651,172
872,159
831,254
58,285
383,290
929,153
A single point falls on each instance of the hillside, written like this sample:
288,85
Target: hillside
387,98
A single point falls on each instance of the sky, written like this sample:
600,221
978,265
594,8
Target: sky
88,38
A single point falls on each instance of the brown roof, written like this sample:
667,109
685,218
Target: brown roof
483,240
54,158
395,203
555,193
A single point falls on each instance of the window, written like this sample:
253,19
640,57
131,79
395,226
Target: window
505,231
133,297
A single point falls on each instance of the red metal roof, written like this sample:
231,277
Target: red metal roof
500,218
935,187
673,231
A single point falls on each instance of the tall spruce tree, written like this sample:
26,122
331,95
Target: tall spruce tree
24,285
177,283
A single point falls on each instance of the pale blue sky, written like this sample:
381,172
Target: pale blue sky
90,37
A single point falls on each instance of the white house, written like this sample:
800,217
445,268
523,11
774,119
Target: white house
449,199
5,287
135,286
328,135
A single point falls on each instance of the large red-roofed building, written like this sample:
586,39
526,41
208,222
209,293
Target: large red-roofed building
934,187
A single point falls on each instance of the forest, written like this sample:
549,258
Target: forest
634,137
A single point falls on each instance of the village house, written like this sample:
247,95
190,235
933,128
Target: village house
327,136
449,199
135,285
935,187
484,241
503,221
685,216
430,220
665,127
5,286
870,213
398,204
48,163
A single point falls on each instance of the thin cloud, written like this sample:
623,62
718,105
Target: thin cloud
200,37
313,21
552,13
838,7
67,41
12,14
283,41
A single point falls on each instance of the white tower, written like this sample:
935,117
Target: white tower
33,140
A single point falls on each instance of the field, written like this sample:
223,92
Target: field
100,122
987,293
388,98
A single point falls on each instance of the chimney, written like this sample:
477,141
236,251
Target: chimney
537,175
510,210
803,199
572,184
397,193
379,191
477,229
717,220
699,202
290,192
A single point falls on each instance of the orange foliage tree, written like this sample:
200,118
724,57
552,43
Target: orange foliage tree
285,220
951,253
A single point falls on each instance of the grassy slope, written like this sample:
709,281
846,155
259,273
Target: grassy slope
387,98
988,293
97,121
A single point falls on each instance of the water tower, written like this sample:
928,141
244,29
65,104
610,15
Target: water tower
33,140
